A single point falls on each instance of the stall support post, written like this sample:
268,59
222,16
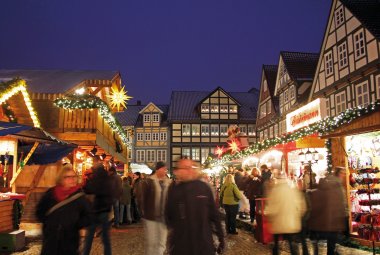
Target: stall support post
14,169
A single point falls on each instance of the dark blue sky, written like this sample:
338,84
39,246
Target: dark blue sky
160,45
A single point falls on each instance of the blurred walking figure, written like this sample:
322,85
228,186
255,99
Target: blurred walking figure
135,207
63,210
328,211
191,214
253,190
241,179
285,209
152,202
125,200
230,196
99,185
117,192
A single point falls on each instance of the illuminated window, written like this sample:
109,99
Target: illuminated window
155,136
195,154
156,117
243,129
224,108
146,117
340,102
140,156
223,130
214,108
269,107
205,108
148,136
186,152
186,129
161,155
233,108
163,136
140,136
195,129
263,110
271,132
251,130
205,130
204,154
150,155
215,130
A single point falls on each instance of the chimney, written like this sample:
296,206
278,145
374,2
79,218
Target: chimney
138,102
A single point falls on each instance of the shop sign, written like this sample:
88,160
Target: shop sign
306,115
310,142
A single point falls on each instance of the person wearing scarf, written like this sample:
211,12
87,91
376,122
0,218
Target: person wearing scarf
63,210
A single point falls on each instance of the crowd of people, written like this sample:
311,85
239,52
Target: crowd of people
179,213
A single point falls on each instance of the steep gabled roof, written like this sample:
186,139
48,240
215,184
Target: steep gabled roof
367,12
55,81
300,65
153,105
270,72
183,104
132,115
129,116
221,89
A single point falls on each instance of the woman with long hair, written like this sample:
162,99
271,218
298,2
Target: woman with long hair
63,210
230,196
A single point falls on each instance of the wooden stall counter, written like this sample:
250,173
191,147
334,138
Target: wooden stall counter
6,215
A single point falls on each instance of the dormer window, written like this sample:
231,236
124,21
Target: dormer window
156,117
224,108
339,16
205,108
214,108
233,108
146,117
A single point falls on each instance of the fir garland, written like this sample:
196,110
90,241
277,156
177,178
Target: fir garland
93,102
321,127
329,155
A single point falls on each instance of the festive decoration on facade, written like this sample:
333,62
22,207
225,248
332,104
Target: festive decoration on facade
219,151
234,146
93,102
321,127
8,112
119,98
329,155
9,89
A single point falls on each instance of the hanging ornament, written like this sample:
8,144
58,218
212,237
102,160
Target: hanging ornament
118,98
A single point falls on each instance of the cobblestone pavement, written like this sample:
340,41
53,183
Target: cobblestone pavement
129,240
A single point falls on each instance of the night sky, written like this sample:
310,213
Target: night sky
160,45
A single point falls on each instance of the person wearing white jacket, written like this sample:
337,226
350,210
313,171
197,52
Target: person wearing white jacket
285,209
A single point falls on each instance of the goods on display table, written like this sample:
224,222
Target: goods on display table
363,159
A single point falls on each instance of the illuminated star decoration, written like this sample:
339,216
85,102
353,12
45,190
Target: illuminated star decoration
219,151
234,146
118,98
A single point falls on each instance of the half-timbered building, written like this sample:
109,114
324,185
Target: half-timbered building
150,141
200,120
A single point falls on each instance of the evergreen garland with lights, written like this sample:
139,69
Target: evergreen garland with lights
321,127
329,155
75,102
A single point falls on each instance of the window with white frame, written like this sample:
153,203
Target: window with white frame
275,130
186,152
339,16
150,155
263,110
261,135
224,108
204,154
342,55
362,94
185,129
205,130
148,136
195,154
251,130
195,129
292,92
146,117
140,156
155,136
163,136
265,134
214,108
233,108
359,44
265,86
214,129
156,117
161,155
328,63
283,127
223,130
205,108
243,129
140,137
269,107
340,102
271,132
286,96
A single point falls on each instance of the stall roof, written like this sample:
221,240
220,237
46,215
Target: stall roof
8,128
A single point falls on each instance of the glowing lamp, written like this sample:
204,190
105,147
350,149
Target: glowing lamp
234,146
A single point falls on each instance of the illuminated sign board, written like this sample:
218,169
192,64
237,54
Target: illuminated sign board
306,115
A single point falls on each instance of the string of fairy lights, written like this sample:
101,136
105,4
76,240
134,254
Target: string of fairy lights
86,101
321,127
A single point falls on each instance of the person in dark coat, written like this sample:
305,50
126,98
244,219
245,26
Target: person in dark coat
125,200
117,192
253,190
63,210
191,214
328,211
99,185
